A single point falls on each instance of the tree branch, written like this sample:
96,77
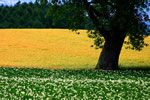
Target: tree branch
93,14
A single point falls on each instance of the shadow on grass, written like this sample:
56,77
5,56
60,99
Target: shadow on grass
142,68
75,73
121,68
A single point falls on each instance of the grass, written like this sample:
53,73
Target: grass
58,49
44,84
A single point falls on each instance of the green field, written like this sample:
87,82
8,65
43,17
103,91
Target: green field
44,84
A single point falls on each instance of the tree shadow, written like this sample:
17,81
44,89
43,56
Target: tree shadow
138,68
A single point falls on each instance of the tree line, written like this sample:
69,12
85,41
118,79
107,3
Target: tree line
29,15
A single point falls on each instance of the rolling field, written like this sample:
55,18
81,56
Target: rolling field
58,49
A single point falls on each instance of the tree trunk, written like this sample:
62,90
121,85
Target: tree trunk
109,56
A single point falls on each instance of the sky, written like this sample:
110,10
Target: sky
12,2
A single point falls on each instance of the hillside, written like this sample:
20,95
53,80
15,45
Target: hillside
58,49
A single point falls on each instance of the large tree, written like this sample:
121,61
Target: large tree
112,21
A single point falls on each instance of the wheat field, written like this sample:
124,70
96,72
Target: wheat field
58,49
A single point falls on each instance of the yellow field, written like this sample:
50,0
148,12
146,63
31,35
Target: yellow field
57,49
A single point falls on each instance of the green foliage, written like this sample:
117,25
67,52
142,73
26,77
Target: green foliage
18,83
28,16
98,39
68,15
42,2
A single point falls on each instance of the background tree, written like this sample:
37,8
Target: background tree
42,2
112,21
29,15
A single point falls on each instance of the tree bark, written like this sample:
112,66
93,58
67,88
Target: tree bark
109,56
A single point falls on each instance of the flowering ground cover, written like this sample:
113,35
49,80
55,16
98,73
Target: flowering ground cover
45,84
